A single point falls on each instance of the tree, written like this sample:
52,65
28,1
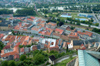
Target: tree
35,52
72,28
6,11
4,63
13,32
78,23
23,57
28,45
1,46
96,24
39,58
25,12
61,23
57,23
20,46
11,63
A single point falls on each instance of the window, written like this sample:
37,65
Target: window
52,43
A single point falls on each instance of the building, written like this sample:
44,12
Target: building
75,44
5,25
58,32
36,29
51,25
73,36
52,59
88,58
47,32
85,15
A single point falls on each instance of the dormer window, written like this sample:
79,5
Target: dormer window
52,43
46,42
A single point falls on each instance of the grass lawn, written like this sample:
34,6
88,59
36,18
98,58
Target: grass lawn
54,14
64,62
90,3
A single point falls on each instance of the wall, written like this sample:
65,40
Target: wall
71,63
61,58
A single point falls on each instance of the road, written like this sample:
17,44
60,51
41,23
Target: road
95,17
37,12
79,26
65,58
5,32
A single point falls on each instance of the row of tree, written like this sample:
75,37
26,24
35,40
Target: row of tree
6,11
25,12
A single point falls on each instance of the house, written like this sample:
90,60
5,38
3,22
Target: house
1,36
50,44
26,50
71,29
51,25
58,32
5,55
65,45
36,29
97,45
52,59
10,57
46,32
73,36
85,33
75,44
64,37
16,57
21,51
5,25
34,47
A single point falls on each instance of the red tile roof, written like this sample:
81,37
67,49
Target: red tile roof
25,43
14,52
47,31
68,43
85,33
32,17
16,56
22,49
52,24
60,31
7,47
1,36
38,20
82,47
34,48
73,35
35,28
17,44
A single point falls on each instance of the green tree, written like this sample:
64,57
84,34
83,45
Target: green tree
13,32
20,46
23,57
72,28
1,46
11,63
96,24
57,23
38,59
78,23
35,52
4,63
